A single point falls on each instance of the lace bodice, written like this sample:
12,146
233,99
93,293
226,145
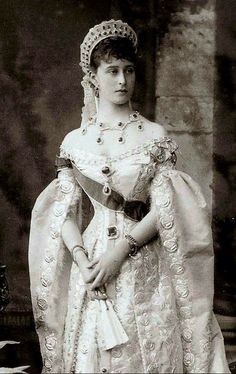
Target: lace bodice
131,171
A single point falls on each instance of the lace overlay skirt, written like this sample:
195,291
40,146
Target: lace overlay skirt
143,299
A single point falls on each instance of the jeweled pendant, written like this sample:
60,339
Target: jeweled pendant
134,116
106,170
121,140
140,127
99,140
106,189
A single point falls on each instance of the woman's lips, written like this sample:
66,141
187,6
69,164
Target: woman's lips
122,91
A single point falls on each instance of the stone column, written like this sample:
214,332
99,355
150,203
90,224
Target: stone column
185,87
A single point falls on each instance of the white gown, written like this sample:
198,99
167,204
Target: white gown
162,297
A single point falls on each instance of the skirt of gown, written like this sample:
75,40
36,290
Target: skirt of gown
143,299
161,320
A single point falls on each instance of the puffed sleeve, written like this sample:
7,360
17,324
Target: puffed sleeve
50,263
186,244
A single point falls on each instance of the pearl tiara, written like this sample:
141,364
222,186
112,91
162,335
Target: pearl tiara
102,31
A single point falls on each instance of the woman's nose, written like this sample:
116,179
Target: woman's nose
122,78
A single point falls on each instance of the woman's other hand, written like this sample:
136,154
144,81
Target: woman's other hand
108,265
97,294
86,272
84,265
93,294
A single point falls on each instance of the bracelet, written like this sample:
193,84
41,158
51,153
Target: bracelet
133,245
79,248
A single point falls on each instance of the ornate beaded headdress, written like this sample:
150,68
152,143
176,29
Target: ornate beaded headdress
98,33
102,31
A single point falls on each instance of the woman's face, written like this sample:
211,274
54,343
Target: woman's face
116,80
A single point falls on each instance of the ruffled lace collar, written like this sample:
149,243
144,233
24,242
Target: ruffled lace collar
75,154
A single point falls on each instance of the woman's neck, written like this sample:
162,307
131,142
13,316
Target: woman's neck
112,113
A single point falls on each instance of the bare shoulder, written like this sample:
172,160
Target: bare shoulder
153,130
72,137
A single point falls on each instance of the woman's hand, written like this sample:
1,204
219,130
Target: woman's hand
97,294
86,272
108,265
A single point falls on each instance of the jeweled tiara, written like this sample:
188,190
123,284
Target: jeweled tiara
102,31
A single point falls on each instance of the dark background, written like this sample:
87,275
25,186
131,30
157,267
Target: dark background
41,100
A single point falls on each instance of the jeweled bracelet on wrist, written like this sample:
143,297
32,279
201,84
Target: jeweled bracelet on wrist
76,248
133,245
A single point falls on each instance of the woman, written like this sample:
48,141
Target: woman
133,292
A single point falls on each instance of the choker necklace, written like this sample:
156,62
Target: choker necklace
120,126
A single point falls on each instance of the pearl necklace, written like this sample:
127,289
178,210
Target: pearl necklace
120,126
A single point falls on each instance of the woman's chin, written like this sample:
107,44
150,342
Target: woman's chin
121,101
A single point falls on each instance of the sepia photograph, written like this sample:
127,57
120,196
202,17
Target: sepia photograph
118,186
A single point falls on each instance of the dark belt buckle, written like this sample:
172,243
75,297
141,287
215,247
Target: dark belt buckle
112,232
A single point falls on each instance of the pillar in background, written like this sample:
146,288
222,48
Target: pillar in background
185,87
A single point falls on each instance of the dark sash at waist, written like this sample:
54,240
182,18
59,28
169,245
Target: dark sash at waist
133,209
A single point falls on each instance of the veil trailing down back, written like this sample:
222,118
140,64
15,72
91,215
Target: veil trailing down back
158,316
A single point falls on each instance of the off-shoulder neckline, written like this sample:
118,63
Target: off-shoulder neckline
73,152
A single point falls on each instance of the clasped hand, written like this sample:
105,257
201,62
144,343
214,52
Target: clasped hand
106,266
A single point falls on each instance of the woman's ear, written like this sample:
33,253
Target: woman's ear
93,79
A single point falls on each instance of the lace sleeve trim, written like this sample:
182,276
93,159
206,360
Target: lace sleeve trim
66,200
162,198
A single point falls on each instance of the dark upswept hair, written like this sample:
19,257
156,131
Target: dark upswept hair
115,46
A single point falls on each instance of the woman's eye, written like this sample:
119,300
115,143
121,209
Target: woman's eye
130,70
113,72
